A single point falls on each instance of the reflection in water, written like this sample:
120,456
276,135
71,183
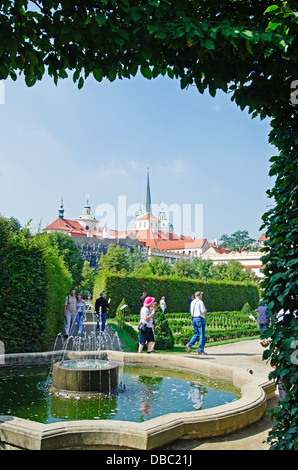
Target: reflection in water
146,394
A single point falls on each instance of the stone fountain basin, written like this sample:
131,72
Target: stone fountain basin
108,434
89,375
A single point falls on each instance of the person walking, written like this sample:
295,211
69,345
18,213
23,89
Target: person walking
70,313
163,304
81,313
263,321
198,311
146,316
191,298
142,298
103,304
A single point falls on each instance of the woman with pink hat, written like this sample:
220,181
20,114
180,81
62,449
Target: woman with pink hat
146,316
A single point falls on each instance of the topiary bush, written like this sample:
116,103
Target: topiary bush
163,334
127,309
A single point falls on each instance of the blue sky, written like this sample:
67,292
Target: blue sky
61,141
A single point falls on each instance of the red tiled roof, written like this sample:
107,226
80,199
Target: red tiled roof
182,244
263,237
259,266
149,238
66,225
147,217
220,251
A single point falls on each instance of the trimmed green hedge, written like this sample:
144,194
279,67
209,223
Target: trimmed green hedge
34,282
218,295
216,334
219,326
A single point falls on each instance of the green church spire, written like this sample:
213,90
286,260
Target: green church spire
148,195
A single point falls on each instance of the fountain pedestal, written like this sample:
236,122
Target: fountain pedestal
90,375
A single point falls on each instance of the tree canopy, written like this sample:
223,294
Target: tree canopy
69,251
237,241
180,38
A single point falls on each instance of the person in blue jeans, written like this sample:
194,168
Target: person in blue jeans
81,313
198,311
101,308
263,321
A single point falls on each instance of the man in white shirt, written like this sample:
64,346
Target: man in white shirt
198,311
163,304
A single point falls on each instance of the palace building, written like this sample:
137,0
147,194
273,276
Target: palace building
152,236
156,233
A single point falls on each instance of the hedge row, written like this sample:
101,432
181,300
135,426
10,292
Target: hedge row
216,334
219,326
215,320
218,295
34,282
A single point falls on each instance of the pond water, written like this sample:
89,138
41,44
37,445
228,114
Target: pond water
145,393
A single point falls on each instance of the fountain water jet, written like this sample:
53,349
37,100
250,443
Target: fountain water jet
89,373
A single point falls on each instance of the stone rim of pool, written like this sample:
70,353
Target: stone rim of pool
108,434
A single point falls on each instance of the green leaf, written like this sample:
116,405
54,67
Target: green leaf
170,72
135,15
98,74
119,41
248,46
76,75
184,82
288,343
271,8
247,34
209,44
147,52
133,68
81,83
100,19
112,74
146,72
272,26
152,28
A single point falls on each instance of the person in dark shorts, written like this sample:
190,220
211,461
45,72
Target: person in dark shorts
146,316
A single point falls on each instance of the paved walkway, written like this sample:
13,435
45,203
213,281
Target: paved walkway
243,354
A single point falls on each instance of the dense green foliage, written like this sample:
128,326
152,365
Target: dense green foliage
218,295
115,260
87,279
164,338
121,314
247,48
283,352
34,281
219,326
119,260
69,251
237,241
